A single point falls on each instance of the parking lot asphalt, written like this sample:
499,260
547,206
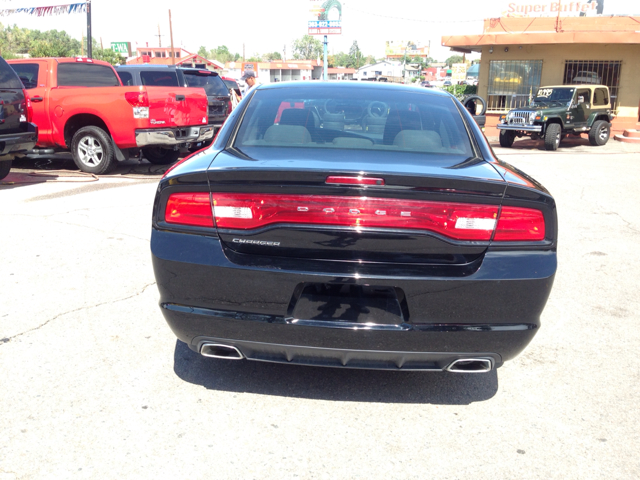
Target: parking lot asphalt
93,384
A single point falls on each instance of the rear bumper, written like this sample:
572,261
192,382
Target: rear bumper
16,143
208,297
173,136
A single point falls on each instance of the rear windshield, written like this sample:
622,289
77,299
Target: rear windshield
28,73
212,84
354,118
8,78
86,75
230,84
160,79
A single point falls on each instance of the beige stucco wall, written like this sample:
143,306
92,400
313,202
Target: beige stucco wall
554,56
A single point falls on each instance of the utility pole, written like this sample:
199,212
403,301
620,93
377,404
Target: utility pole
101,46
159,37
243,58
173,52
324,65
89,37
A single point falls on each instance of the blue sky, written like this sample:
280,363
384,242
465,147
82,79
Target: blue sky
270,25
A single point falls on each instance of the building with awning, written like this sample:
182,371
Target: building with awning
279,71
520,54
176,56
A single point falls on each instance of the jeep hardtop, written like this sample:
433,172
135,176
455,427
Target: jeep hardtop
559,110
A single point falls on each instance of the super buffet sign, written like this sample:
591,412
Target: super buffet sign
551,8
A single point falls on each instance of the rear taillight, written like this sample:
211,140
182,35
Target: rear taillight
140,103
27,108
453,220
520,225
193,209
229,107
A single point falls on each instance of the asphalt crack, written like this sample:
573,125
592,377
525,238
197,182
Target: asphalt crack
9,339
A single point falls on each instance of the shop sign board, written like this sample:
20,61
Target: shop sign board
397,48
565,8
123,48
458,72
325,17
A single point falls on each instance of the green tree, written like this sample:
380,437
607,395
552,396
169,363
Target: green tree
203,52
454,59
307,48
271,57
355,54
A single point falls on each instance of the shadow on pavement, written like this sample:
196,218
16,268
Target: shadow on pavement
332,384
60,168
528,144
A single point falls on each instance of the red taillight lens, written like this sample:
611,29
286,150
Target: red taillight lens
192,209
453,220
137,99
229,107
27,107
355,181
520,225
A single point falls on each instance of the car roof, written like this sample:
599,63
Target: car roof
382,86
147,66
576,85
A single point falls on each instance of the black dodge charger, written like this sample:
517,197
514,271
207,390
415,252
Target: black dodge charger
358,226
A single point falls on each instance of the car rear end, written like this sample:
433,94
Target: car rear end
18,134
412,249
169,117
219,100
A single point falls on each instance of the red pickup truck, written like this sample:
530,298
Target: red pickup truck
80,105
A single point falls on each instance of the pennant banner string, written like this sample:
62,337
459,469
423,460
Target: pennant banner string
47,11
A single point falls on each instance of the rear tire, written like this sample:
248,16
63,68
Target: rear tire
5,168
552,136
160,156
599,133
507,137
92,150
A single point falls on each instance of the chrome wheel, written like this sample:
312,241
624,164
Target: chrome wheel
603,133
90,151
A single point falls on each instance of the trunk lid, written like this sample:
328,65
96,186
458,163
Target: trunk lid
176,106
391,229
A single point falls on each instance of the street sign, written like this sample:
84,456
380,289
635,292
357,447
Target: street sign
123,48
325,31
326,17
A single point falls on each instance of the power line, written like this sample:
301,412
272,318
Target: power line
413,19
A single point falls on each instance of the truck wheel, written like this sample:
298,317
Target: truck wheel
599,133
507,137
160,156
92,150
5,168
552,136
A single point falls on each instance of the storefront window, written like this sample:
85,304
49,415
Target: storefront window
595,72
512,82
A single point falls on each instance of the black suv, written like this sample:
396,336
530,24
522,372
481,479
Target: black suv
170,76
17,133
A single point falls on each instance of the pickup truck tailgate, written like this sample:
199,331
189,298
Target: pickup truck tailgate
177,106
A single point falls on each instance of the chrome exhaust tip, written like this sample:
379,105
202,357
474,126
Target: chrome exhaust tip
471,365
215,350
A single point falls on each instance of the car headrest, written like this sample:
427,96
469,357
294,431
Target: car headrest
420,140
287,134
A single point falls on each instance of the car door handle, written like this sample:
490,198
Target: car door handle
37,99
180,98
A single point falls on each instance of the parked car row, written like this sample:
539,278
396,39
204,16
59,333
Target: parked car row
103,115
